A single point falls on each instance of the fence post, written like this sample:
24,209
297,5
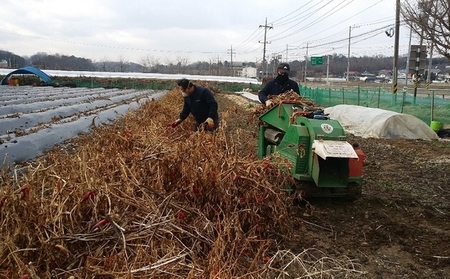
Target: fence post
343,98
379,93
329,96
432,105
359,92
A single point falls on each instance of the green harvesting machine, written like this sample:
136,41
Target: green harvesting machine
320,159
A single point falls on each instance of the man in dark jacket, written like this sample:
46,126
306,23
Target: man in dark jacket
278,85
200,102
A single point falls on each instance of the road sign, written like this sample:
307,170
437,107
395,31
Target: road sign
417,59
316,60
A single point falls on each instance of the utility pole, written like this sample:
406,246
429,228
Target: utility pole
287,50
274,57
348,55
218,61
232,53
405,88
328,69
264,66
306,63
407,60
430,61
396,43
417,69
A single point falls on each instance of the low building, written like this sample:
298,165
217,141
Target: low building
248,72
3,63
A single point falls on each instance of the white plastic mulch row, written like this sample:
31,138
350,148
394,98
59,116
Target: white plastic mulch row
34,119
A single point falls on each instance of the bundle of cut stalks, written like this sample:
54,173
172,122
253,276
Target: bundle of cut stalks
290,95
138,199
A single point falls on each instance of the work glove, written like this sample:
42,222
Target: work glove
209,122
176,123
269,103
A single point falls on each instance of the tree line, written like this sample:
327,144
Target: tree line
337,65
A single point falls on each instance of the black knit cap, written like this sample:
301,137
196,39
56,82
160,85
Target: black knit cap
284,68
184,83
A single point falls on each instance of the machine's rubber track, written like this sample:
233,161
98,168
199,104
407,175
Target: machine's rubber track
307,190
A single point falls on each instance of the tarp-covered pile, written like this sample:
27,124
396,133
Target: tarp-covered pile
377,123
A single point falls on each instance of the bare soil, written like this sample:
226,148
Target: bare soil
399,227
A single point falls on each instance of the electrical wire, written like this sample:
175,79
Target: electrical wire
288,19
332,11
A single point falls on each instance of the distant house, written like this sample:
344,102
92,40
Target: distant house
3,63
367,77
385,73
352,75
248,72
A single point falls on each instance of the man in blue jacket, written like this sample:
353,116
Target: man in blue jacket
278,85
200,102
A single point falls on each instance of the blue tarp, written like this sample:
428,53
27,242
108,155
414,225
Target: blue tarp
28,70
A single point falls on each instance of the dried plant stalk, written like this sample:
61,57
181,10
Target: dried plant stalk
139,200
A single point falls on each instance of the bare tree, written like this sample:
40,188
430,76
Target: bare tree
182,62
123,64
149,63
144,63
430,20
104,64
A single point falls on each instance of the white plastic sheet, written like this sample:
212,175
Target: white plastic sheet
378,123
333,148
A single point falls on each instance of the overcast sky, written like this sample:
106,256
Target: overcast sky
199,30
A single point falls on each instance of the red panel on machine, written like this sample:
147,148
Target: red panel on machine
356,165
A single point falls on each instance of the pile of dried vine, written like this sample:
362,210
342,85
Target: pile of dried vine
139,199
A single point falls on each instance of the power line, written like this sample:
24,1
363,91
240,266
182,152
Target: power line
250,38
287,19
304,18
333,10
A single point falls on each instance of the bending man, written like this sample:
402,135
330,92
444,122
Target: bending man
200,102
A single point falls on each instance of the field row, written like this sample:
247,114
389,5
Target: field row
34,119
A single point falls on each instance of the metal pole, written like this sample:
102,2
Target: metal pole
273,63
407,71
328,69
265,66
407,61
306,63
416,76
430,61
431,56
264,50
232,70
432,106
287,52
348,55
397,36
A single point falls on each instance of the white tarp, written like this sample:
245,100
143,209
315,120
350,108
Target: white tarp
378,123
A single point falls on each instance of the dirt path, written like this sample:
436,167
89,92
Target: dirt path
400,227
